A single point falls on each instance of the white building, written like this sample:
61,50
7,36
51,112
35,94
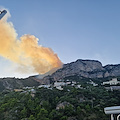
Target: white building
44,86
78,86
57,84
114,81
92,83
59,88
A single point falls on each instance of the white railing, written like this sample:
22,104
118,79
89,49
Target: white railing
113,110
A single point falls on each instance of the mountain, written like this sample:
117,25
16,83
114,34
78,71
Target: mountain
81,68
84,69
15,83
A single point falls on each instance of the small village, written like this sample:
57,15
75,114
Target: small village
112,84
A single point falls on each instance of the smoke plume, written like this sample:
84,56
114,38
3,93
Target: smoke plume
25,51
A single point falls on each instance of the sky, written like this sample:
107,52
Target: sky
73,29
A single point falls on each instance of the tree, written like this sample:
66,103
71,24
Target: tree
69,110
63,118
42,115
31,117
23,113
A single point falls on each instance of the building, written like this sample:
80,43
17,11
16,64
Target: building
114,81
57,84
18,90
44,86
59,88
92,83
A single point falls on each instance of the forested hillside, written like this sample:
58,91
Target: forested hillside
51,104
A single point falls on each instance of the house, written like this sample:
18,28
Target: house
92,83
44,86
57,84
113,88
78,86
18,90
59,88
114,81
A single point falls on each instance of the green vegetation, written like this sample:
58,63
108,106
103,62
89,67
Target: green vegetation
70,104
15,83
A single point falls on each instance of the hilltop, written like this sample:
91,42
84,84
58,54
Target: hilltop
84,69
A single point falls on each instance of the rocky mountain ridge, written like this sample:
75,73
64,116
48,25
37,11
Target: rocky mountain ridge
81,68
86,69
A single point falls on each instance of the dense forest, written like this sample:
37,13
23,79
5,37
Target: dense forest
86,103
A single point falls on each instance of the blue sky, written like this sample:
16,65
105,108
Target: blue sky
74,29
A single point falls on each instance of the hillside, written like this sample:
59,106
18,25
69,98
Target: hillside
12,83
91,69
71,103
81,101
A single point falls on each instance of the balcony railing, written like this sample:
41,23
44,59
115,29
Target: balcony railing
113,110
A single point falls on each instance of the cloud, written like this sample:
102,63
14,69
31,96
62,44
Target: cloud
25,52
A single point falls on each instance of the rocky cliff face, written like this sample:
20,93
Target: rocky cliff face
112,70
85,68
